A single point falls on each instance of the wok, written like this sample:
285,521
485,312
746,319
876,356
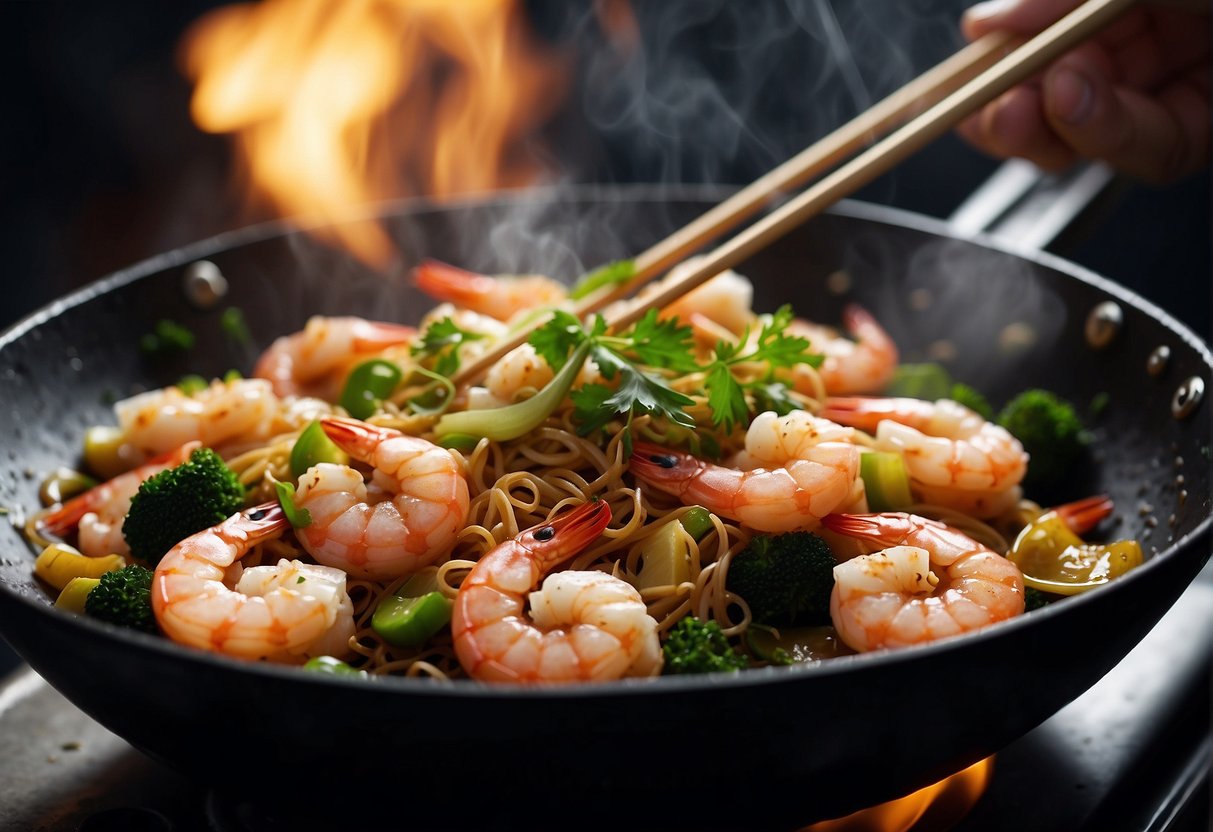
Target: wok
764,748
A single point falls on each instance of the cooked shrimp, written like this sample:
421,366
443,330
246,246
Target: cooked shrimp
283,613
502,296
584,626
98,513
953,456
316,360
226,411
862,365
725,300
417,503
795,469
933,582
520,370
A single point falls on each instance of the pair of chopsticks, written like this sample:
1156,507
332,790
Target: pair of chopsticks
938,100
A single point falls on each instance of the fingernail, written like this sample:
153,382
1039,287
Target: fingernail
990,8
1069,94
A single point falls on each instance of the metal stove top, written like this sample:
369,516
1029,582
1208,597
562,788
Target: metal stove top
1133,753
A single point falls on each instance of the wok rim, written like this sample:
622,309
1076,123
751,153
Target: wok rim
630,687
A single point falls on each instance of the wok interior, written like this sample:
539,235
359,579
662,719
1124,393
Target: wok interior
1006,323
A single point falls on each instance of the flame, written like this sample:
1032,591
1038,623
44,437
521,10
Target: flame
337,103
940,805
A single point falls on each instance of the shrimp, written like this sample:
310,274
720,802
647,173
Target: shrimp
159,420
422,502
725,300
584,626
796,469
862,365
953,456
933,582
98,513
284,613
501,297
316,360
519,370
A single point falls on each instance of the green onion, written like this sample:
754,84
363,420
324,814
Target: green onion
332,666
314,446
436,397
612,274
885,480
300,518
464,442
191,385
697,522
368,385
409,622
504,423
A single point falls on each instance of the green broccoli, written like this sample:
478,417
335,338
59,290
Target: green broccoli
1051,433
695,646
1034,599
124,597
972,399
178,502
786,578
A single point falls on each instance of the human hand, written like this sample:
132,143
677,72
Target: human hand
1135,96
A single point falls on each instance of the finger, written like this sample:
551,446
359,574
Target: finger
1024,17
1014,125
1158,138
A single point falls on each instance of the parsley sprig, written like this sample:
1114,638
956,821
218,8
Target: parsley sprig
775,347
441,341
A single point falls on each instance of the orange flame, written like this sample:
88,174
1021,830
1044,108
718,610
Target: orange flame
939,805
337,103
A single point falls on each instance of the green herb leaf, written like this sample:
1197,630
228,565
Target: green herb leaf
554,340
441,341
662,343
191,385
612,274
167,338
234,327
726,397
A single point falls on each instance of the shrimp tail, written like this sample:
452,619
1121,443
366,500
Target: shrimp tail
1083,515
446,282
67,517
863,412
354,437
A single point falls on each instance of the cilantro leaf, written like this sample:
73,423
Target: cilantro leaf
557,338
726,397
660,343
441,341
773,396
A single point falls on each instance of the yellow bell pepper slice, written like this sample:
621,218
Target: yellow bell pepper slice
59,563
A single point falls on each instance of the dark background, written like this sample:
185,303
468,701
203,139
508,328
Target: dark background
100,166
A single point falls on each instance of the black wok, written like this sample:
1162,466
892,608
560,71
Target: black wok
773,747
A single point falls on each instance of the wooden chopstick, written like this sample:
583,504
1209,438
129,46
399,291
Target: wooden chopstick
1017,67
958,86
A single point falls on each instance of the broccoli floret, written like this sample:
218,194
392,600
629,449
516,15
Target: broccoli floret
1034,599
786,578
1051,433
124,597
695,646
179,502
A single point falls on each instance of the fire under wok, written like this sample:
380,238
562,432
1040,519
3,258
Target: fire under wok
767,748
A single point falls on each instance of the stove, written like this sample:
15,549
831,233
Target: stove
1133,753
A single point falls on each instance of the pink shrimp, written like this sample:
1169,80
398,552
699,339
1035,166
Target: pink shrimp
953,456
283,613
501,297
420,502
98,513
583,626
315,360
800,469
862,365
896,598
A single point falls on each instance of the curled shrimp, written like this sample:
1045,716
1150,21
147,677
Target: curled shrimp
284,613
157,421
501,297
97,514
519,371
316,360
726,300
863,363
953,456
416,504
797,469
932,582
584,626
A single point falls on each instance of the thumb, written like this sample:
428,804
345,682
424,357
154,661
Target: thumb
1158,137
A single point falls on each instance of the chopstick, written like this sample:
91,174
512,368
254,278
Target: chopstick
959,86
1017,67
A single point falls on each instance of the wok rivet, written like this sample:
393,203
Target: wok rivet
204,284
1157,362
1104,323
1187,397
